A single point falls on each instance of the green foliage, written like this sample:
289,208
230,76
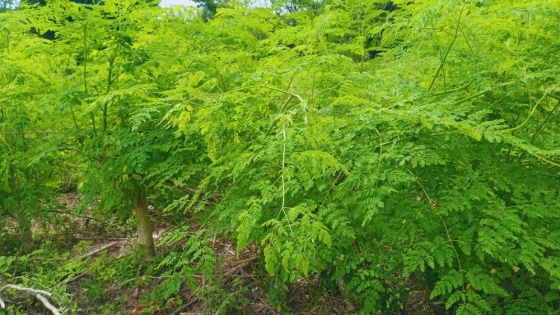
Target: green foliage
331,153
29,166
34,270
178,267
374,143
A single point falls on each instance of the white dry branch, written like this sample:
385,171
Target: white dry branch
39,294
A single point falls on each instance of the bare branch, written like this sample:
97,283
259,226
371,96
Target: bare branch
93,252
239,265
48,305
19,288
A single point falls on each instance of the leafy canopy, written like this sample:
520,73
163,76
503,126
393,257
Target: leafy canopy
373,143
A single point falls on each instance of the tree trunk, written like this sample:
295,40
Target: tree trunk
24,227
144,226
23,219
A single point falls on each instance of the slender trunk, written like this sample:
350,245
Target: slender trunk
85,77
144,226
24,227
23,219
8,41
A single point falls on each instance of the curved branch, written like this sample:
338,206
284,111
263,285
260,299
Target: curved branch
38,294
528,117
545,122
540,158
19,288
48,305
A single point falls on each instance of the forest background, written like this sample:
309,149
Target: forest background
314,157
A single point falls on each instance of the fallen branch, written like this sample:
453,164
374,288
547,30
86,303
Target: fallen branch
239,265
185,306
38,294
100,249
48,305
246,260
73,214
122,239
17,287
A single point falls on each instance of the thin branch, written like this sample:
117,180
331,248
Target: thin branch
542,159
48,305
100,249
68,280
246,260
286,92
280,112
232,271
449,48
185,306
449,239
545,122
454,90
282,175
330,189
122,239
239,265
20,288
528,117
468,98
73,214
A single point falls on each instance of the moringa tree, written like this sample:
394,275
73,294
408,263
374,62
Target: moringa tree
437,161
29,171
116,61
